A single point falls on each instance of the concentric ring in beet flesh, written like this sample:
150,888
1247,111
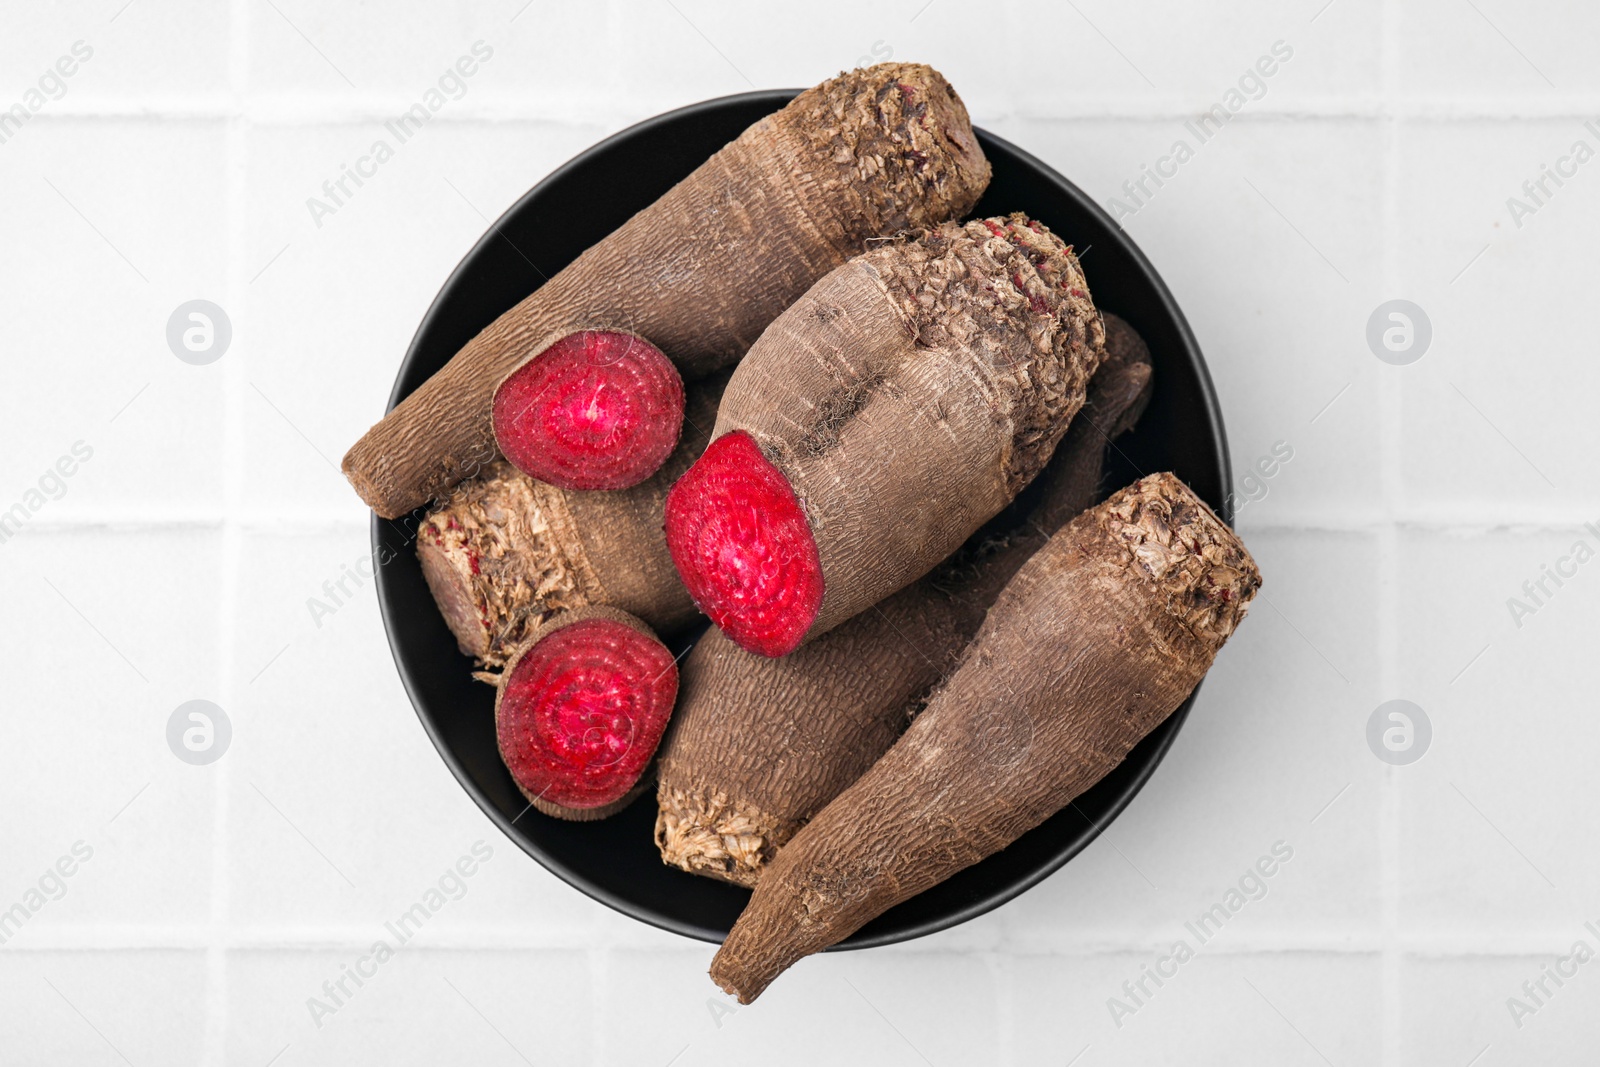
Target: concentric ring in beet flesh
582,711
598,409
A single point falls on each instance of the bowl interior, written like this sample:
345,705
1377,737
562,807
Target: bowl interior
615,860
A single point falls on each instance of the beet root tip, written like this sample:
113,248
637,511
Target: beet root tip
598,409
744,547
731,982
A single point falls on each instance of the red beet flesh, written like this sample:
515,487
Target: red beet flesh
743,547
596,410
583,710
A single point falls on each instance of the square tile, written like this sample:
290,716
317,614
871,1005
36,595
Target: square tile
1471,431
134,241
1285,1008
1460,1007
105,53
1492,53
408,1005
1490,847
892,1007
104,1007
129,619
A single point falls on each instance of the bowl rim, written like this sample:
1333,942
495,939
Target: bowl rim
992,900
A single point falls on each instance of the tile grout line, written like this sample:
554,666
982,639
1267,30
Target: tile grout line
1389,430
272,937
216,1029
599,981
1389,810
1001,965
310,109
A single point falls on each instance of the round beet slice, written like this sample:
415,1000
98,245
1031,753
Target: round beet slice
744,548
581,709
598,409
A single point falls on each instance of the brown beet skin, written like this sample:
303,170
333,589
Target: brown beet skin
758,746
1096,640
703,270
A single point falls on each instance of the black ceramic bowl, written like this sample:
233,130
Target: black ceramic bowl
615,861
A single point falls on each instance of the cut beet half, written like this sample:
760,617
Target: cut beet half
581,711
599,409
743,547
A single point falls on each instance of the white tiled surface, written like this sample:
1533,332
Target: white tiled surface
177,563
